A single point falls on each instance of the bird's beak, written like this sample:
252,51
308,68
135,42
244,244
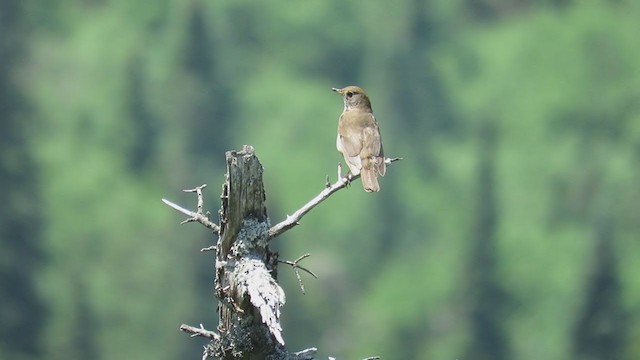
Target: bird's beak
336,90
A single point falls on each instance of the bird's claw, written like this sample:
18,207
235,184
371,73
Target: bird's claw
348,177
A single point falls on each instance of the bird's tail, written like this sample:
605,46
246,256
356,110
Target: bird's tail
369,179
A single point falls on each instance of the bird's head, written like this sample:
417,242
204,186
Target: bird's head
354,97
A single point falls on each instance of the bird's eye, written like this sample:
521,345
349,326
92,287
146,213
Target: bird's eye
349,94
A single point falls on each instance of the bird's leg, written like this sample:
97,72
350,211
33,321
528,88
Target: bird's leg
347,177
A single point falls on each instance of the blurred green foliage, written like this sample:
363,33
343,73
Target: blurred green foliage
509,231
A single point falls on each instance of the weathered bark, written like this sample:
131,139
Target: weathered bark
250,297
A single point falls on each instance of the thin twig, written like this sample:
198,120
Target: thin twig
198,191
306,353
209,248
295,266
293,220
201,331
197,216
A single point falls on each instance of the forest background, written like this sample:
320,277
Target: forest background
511,229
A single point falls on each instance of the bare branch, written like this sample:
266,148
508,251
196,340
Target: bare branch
201,331
294,219
209,248
306,353
295,266
198,216
198,191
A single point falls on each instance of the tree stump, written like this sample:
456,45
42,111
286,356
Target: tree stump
250,297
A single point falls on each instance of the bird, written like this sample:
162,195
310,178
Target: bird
359,138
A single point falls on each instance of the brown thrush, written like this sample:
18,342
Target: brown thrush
359,138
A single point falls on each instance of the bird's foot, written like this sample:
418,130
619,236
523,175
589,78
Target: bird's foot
349,177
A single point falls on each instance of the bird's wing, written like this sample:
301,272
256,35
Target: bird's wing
376,150
349,143
347,146
380,164
372,146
